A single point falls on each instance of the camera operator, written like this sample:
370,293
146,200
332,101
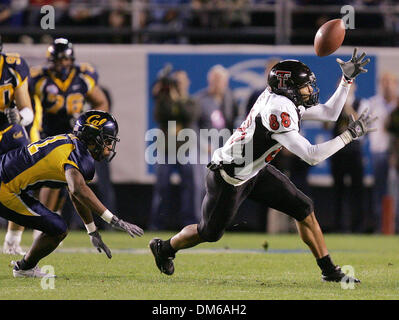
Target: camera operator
173,103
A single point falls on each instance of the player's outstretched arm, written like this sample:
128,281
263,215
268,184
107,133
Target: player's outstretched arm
92,231
98,99
80,190
300,146
313,154
331,110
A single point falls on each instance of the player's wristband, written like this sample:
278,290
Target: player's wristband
346,137
26,115
90,227
346,81
107,216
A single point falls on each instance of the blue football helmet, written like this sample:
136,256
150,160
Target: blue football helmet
99,130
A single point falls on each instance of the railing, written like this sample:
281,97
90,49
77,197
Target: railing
280,27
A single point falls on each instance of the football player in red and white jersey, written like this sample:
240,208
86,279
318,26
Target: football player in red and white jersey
241,169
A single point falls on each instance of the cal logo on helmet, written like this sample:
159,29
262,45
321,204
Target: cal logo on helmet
95,120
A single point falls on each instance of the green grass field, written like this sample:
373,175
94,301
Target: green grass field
236,268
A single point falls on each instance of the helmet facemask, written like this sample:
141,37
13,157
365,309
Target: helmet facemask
59,50
96,141
313,97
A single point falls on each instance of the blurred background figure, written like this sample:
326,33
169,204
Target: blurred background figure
119,17
257,92
60,6
12,12
393,129
219,110
347,164
381,105
176,109
218,106
170,15
89,13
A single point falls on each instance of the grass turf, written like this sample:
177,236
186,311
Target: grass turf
236,267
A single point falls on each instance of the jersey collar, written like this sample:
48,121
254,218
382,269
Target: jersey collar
63,85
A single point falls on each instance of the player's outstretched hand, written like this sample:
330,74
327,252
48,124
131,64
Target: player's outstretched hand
130,228
361,126
98,243
13,115
352,68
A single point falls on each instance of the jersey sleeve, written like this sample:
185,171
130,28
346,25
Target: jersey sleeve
83,160
89,75
18,67
36,74
280,117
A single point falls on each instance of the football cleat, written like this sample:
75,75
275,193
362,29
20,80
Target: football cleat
164,264
337,276
35,272
12,248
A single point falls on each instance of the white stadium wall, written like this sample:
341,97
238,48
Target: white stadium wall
128,70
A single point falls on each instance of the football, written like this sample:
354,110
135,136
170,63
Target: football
329,37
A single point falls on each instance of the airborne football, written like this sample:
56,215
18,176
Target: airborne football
199,151
329,37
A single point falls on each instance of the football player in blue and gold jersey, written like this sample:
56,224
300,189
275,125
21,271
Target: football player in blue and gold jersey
15,113
61,160
59,92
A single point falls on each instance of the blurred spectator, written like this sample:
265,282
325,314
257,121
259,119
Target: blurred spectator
173,104
237,14
60,6
219,110
88,12
218,106
381,105
220,14
119,17
348,162
393,128
12,12
5,11
208,13
256,93
261,17
324,2
164,15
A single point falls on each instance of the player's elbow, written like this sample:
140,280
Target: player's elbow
312,161
312,158
77,189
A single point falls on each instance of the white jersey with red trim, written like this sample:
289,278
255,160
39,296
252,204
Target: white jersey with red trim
251,146
273,122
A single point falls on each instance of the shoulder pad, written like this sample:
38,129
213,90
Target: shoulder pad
280,116
36,71
17,63
85,67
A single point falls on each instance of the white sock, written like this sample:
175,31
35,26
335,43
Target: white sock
13,236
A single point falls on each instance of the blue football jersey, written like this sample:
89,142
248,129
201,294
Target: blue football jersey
43,163
61,101
13,72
